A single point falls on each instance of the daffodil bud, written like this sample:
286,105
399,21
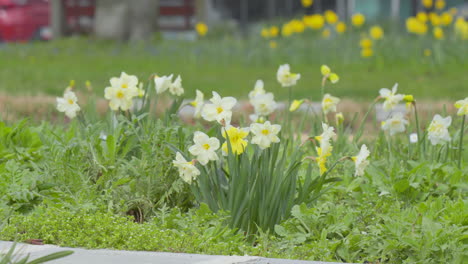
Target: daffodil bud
339,118
88,85
325,70
408,98
295,105
333,77
72,83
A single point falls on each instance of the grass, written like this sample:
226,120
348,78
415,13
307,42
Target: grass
231,66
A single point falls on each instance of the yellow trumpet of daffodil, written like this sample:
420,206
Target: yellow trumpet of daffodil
236,137
295,105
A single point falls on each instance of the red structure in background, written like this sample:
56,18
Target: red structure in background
26,20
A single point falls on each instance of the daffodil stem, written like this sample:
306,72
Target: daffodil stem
418,132
363,122
288,113
460,144
322,91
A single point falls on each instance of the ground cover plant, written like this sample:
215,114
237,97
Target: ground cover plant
279,184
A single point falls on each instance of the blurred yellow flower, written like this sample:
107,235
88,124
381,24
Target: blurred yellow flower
435,19
236,139
339,118
265,33
461,28
274,31
453,11
273,44
462,106
439,4
72,84
287,30
422,16
427,3
358,20
201,29
427,52
326,33
326,73
438,33
367,52
365,43
295,105
297,26
413,25
331,17
376,32
446,18
325,70
307,3
314,21
340,27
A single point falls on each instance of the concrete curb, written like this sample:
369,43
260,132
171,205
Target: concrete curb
105,256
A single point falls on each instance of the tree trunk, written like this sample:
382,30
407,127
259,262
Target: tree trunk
57,18
143,19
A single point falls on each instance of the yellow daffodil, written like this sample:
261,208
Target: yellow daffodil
236,139
307,3
68,104
331,76
331,17
72,84
435,19
438,33
358,20
427,3
367,52
376,32
325,70
440,4
415,26
314,21
461,28
365,43
462,107
340,27
88,86
273,31
422,17
325,148
326,33
295,105
201,29
339,118
265,33
287,30
297,26
446,19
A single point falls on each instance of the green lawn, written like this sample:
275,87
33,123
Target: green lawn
231,66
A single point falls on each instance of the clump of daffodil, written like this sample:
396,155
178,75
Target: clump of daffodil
340,27
295,105
187,170
198,103
329,103
462,106
438,33
315,21
461,28
438,130
360,160
328,75
285,77
435,19
201,29
376,32
415,26
358,20
324,150
68,104
237,141
331,17
307,3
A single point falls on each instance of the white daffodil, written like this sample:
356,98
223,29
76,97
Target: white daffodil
126,81
198,103
68,104
264,104
162,83
176,87
119,98
285,77
395,124
391,97
360,161
204,148
413,138
258,89
220,109
187,170
329,103
438,130
265,134
462,106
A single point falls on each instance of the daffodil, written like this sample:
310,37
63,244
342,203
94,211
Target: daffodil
461,28
413,138
326,33
367,52
176,87
329,103
236,137
295,105
119,98
340,27
360,161
125,81
376,32
365,43
162,83
285,77
201,29
264,104
198,103
427,3
427,52
307,3
422,17
219,110
395,124
446,19
435,19
439,4
339,118
325,148
273,31
205,147
68,104
331,17
273,44
187,170
358,20
438,130
265,33
315,21
391,97
415,26
265,134
257,90
462,106
438,33
331,76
